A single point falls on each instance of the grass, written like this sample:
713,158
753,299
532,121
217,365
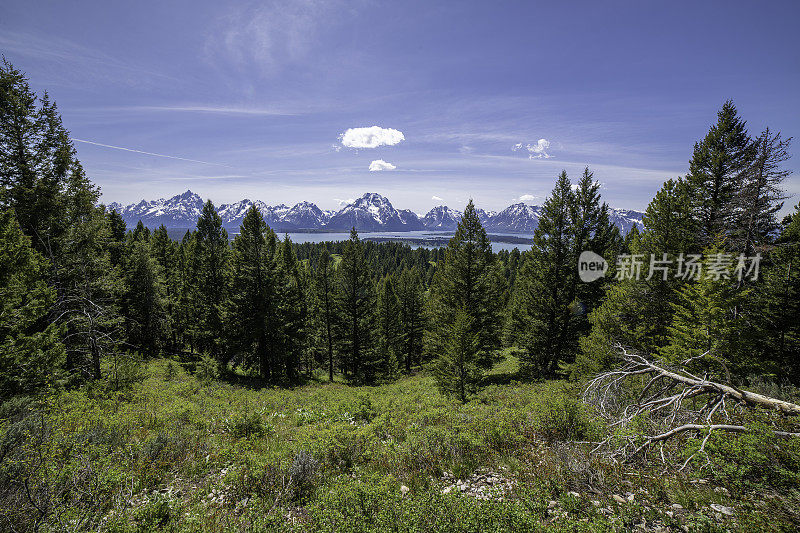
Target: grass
173,453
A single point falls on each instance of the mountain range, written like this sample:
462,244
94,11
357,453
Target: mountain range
371,212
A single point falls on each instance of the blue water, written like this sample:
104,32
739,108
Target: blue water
399,236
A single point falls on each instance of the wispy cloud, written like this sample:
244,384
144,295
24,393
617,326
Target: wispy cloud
437,198
343,203
75,64
263,37
147,153
222,110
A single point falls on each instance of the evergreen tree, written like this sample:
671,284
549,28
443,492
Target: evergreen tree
703,333
390,339
30,346
637,312
252,311
187,308
670,230
545,289
591,230
456,370
140,233
324,284
145,305
36,162
356,313
716,171
778,300
410,293
468,280
117,229
164,251
88,287
760,195
212,254
293,309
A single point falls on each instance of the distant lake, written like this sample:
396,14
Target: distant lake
415,239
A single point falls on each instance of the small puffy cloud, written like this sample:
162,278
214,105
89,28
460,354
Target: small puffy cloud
380,164
437,199
535,151
525,198
371,137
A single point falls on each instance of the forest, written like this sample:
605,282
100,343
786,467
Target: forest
256,384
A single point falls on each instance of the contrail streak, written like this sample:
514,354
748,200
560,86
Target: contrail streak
148,153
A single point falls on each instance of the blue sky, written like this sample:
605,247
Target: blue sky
251,99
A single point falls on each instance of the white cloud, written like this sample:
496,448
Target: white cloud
371,137
525,198
437,199
535,151
380,164
343,203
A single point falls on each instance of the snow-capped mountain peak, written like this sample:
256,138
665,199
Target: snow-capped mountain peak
370,212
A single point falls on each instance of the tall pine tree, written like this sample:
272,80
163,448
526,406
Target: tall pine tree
469,281
390,339
324,287
356,313
253,310
213,255
716,170
545,290
411,295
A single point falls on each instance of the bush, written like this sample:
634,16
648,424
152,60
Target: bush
207,369
753,460
247,425
303,474
563,417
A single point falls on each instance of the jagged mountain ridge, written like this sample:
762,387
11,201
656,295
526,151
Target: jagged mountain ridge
371,212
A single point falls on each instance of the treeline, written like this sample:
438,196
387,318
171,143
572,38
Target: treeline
81,293
254,305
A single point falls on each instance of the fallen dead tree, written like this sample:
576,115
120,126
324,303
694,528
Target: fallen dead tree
671,402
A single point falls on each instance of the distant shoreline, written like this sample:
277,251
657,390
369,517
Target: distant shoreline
431,238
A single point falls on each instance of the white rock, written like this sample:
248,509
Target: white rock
727,511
